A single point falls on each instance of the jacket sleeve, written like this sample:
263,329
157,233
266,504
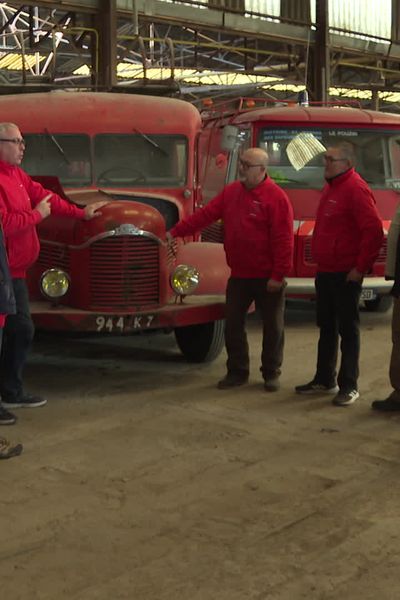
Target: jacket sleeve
282,240
201,218
14,222
59,206
370,226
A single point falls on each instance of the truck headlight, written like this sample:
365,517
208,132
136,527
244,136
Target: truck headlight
54,283
185,279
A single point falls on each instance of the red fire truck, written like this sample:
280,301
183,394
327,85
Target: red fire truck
295,138
116,274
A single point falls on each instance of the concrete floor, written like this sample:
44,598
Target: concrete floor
141,481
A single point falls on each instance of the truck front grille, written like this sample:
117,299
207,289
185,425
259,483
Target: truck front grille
213,233
52,256
382,252
124,273
308,259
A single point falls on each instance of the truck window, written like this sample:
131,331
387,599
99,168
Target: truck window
62,155
123,160
376,154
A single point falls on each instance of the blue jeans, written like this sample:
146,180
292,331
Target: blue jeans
18,334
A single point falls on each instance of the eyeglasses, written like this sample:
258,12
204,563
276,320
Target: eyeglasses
331,159
247,165
19,141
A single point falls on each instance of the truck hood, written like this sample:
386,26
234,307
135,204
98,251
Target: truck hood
116,216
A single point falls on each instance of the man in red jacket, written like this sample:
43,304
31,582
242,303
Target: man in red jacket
258,229
23,204
346,241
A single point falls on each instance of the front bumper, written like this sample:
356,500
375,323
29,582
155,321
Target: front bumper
193,310
304,286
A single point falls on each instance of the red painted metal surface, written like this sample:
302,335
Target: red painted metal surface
119,277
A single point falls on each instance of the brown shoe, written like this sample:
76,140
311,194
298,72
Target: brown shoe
230,381
7,450
272,384
387,405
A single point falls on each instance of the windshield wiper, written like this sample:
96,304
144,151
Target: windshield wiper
150,141
57,145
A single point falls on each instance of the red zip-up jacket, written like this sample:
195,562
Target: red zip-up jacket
18,197
258,228
348,230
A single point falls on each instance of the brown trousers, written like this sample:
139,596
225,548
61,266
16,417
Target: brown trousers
240,294
394,370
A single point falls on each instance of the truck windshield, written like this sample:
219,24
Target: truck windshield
296,155
62,155
116,160
140,160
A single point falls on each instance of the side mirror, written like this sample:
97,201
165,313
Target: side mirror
229,138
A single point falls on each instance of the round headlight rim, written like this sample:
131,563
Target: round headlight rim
195,272
61,273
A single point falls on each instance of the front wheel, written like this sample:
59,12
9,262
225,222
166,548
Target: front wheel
201,343
379,304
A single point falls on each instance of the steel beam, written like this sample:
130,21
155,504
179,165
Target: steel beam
319,75
106,21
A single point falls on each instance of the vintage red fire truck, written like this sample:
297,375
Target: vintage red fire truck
295,138
116,273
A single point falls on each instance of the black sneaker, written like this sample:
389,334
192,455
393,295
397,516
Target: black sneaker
387,405
25,401
345,398
313,387
6,418
272,384
230,381
7,450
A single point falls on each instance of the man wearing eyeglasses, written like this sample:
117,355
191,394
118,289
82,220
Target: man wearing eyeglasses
23,204
258,242
346,241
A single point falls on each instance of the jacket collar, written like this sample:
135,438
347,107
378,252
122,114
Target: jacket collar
341,177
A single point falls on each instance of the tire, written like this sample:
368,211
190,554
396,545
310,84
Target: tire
201,343
379,304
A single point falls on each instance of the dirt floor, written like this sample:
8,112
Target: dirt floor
141,481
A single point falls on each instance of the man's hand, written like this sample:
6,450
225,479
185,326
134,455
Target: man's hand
355,276
275,286
92,210
44,206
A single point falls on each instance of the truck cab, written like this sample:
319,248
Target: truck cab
295,138
117,273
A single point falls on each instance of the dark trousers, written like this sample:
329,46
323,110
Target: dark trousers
394,370
240,294
17,339
338,314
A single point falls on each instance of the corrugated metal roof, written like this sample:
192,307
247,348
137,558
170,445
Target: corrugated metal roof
266,7
369,18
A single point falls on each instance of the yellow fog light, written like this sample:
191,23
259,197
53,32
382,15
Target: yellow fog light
54,283
185,279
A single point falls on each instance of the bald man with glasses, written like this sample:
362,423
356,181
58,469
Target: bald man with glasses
346,241
24,203
258,242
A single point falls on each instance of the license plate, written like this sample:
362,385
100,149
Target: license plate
106,324
367,294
